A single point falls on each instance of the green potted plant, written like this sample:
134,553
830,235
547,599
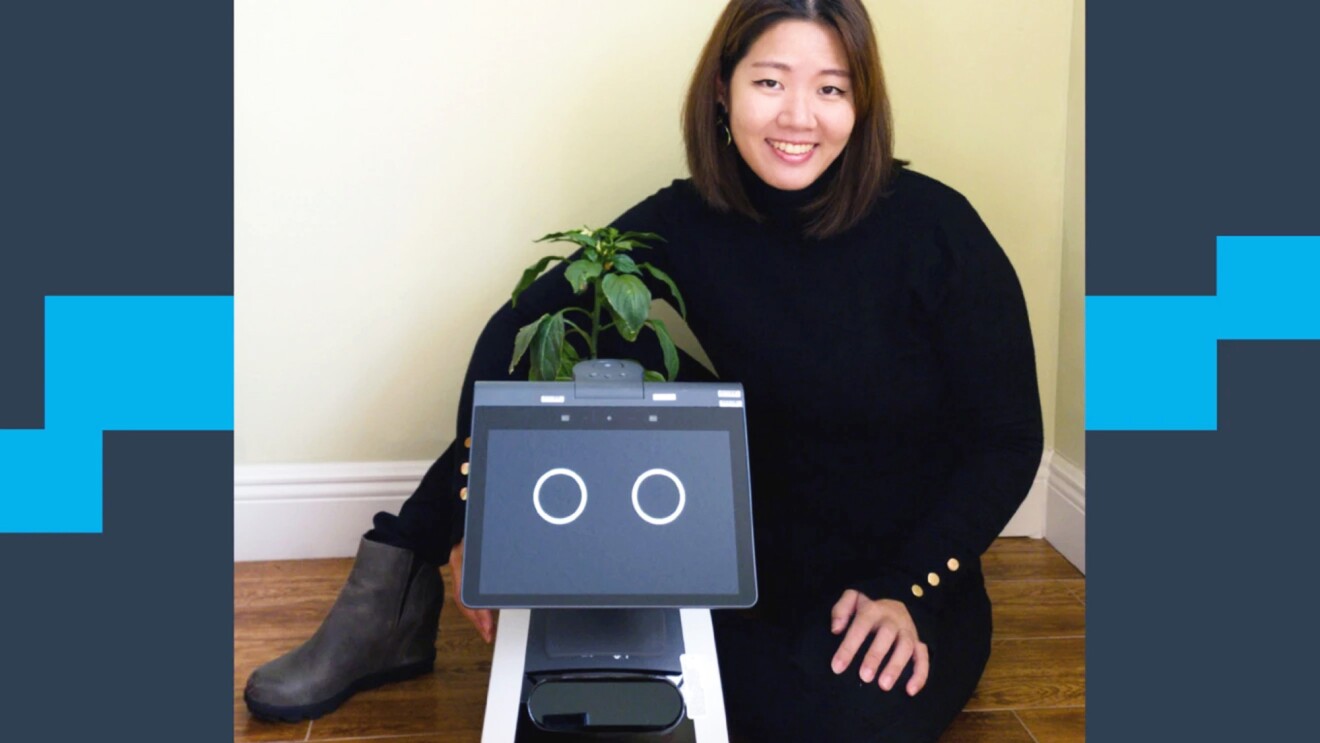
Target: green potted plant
613,277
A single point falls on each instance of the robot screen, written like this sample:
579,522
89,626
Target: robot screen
609,506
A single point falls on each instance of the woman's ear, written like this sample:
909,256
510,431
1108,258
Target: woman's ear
722,95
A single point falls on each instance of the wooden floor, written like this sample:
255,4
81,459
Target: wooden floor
1033,691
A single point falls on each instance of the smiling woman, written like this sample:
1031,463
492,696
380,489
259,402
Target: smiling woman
795,86
789,116
894,420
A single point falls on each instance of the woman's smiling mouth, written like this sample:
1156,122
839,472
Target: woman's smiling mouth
791,152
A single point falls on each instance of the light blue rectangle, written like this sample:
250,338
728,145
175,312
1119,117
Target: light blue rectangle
1269,288
50,481
140,363
1150,363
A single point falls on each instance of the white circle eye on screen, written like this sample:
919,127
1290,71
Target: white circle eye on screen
648,518
582,488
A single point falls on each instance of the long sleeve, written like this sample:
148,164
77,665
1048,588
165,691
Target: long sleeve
983,339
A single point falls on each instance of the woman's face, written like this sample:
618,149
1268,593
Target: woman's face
790,103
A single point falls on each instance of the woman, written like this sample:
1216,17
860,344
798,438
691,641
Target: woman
893,417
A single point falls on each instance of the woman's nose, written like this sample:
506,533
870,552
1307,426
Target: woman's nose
796,113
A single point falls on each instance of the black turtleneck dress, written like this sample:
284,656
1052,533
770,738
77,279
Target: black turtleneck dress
894,427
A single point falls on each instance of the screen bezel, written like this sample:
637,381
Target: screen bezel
609,418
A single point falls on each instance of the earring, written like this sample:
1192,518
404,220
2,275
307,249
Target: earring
728,135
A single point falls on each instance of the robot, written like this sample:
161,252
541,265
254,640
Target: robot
606,517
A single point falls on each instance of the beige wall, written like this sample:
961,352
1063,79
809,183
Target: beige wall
1070,418
394,161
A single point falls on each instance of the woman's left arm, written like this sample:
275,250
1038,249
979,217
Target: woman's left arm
983,339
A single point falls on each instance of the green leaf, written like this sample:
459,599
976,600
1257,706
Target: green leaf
629,301
524,339
567,235
568,357
639,237
653,376
585,239
666,346
530,275
625,264
553,236
673,288
580,272
546,346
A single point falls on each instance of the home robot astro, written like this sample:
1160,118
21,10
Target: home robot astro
606,517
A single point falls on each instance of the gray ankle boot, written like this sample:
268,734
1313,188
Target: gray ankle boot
381,629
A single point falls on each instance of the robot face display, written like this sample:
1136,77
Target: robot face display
582,497
608,507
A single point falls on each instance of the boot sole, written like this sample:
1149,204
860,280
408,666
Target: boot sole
299,712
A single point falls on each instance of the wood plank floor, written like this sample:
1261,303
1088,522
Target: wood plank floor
1033,691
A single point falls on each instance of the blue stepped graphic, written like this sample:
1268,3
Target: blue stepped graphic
1152,362
114,364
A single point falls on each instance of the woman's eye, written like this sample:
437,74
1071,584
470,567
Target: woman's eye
766,83
831,90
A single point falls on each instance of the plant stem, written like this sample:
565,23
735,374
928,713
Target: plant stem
595,317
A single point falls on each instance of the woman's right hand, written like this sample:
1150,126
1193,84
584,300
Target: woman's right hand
893,628
482,619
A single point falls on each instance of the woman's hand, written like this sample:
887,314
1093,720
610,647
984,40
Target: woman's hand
892,626
482,619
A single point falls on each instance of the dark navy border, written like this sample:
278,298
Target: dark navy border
117,179
1201,123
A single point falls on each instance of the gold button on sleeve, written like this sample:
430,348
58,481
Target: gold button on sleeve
953,564
464,468
916,591
933,579
462,494
467,442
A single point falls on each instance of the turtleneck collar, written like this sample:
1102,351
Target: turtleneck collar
784,208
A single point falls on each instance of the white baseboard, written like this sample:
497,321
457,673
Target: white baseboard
300,511
297,511
1029,521
1065,511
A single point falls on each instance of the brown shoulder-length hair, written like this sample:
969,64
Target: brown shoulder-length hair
867,162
